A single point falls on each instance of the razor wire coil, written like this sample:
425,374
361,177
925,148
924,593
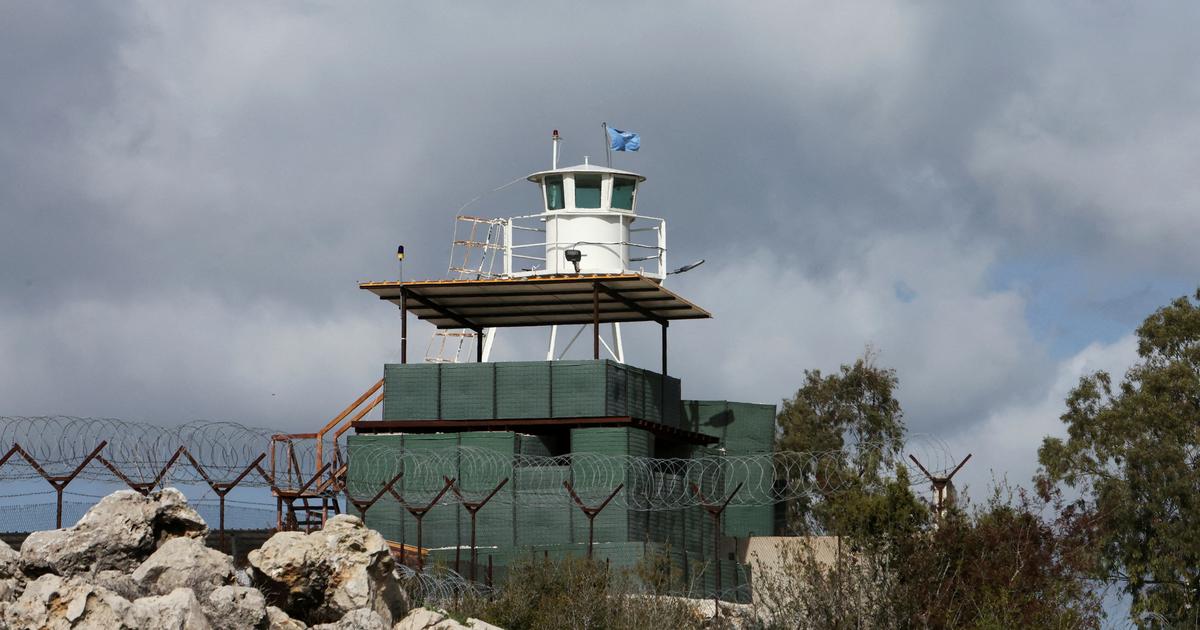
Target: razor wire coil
144,453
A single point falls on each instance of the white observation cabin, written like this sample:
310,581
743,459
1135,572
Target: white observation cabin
590,210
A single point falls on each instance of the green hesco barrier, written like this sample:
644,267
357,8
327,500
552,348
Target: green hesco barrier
538,445
635,393
616,390
527,389
468,391
367,476
443,523
672,416
411,391
494,521
550,522
616,523
578,389
742,427
523,389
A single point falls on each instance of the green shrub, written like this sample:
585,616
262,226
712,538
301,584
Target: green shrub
539,593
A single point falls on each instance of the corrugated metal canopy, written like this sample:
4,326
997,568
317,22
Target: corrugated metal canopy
538,301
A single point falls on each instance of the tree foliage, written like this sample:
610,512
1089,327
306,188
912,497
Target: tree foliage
1004,565
855,415
1132,452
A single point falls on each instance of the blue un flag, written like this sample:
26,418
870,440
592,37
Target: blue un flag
624,140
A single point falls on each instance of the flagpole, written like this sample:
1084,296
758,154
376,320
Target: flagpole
607,146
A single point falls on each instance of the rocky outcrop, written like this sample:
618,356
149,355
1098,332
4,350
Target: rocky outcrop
184,563
116,534
322,576
138,562
54,603
279,620
180,610
358,619
12,581
419,619
236,607
426,619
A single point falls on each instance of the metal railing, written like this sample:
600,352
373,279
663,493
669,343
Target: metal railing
525,243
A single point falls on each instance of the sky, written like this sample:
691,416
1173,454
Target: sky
990,196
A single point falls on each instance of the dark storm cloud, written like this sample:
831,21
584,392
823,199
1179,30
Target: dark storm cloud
190,194
58,65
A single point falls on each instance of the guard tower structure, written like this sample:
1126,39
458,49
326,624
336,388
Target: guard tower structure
585,259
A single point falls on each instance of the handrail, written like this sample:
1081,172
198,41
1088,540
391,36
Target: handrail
338,425
342,416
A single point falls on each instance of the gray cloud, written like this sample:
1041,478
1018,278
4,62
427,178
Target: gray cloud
190,195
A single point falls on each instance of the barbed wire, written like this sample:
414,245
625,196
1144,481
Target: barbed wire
145,452
648,483
61,443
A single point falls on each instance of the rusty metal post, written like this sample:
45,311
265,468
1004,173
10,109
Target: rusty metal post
939,484
143,488
596,321
403,325
58,482
665,323
362,506
662,379
419,512
591,512
715,510
473,508
219,488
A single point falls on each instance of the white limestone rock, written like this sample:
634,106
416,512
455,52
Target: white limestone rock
358,619
322,576
53,603
118,582
419,619
236,608
118,533
12,581
187,563
179,610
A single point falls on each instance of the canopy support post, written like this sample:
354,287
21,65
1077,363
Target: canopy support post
596,321
662,385
403,326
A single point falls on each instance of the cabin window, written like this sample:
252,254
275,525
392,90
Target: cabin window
554,192
622,195
587,191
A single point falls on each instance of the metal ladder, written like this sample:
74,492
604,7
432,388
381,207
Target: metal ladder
472,257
